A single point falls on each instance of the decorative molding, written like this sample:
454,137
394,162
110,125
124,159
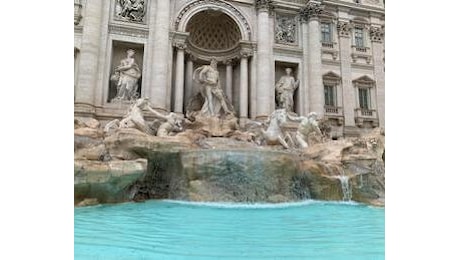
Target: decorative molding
130,11
220,3
78,29
343,29
128,31
312,10
179,40
286,29
363,82
264,5
376,33
180,45
331,78
77,13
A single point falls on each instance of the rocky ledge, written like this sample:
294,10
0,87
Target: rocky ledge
130,165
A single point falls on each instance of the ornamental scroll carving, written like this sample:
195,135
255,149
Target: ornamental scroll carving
77,12
311,10
264,4
376,34
285,30
130,10
343,29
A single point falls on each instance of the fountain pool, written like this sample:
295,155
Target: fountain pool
162,229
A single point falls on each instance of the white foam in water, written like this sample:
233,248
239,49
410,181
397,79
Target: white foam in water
260,205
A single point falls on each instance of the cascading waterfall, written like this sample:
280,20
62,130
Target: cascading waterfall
346,187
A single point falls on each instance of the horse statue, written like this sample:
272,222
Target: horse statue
274,134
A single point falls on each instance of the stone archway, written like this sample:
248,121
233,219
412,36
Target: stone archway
213,28
188,11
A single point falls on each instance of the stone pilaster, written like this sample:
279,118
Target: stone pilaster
158,93
349,100
89,54
264,59
179,82
229,79
304,83
310,13
377,35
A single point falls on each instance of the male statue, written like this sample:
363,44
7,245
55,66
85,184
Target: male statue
208,78
307,126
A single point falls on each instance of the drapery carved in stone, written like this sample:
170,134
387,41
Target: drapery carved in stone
130,10
285,30
312,9
343,28
376,33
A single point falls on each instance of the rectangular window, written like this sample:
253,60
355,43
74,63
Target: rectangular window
359,37
364,98
329,95
326,32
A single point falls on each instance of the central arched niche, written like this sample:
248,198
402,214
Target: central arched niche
213,31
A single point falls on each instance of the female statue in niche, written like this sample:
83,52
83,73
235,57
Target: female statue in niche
285,91
127,74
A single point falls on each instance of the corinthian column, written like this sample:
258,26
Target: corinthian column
244,77
179,84
349,102
188,79
229,79
160,49
376,34
89,53
310,14
265,90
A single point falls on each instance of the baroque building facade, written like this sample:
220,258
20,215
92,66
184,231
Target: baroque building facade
334,48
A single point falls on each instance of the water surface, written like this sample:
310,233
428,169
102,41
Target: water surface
180,230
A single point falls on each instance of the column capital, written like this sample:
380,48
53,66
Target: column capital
377,33
180,45
179,39
264,5
311,10
343,28
228,62
245,54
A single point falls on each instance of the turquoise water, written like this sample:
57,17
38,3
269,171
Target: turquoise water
180,230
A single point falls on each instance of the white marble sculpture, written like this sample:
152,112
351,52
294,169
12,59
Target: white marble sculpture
127,75
274,134
285,91
307,126
135,119
131,10
207,77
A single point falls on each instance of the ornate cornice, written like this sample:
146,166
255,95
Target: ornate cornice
264,5
129,31
312,10
376,33
343,29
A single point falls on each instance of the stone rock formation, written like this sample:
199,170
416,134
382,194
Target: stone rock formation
131,165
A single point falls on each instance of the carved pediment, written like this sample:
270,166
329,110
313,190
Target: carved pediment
331,78
364,81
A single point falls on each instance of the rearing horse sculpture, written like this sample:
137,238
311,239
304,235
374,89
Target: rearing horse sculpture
274,134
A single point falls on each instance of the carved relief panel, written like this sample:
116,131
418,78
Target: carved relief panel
285,29
131,10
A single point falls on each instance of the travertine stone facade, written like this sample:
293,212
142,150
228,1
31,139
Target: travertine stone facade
335,47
